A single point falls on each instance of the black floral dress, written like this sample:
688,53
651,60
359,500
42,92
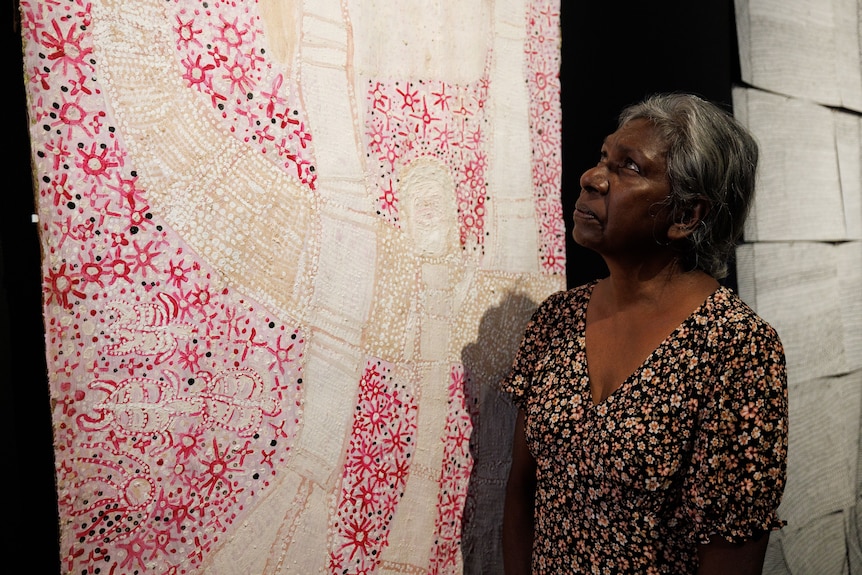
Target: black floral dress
692,445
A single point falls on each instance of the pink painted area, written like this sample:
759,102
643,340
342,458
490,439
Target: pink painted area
542,51
409,119
175,399
454,478
377,464
222,55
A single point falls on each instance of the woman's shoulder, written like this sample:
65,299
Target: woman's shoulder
564,303
735,320
574,295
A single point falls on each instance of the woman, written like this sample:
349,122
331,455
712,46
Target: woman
652,427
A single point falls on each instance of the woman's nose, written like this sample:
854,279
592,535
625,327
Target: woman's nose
595,179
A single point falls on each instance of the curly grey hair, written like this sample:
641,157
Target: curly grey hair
710,156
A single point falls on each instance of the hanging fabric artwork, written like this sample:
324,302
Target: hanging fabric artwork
288,252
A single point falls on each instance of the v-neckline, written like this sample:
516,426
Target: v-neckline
663,343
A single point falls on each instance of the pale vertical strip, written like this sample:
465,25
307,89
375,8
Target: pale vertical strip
854,519
812,51
257,542
742,13
304,543
513,243
854,539
412,531
344,286
774,563
340,298
848,52
740,111
328,98
849,261
852,424
746,280
848,141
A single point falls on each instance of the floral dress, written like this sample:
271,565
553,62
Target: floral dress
692,445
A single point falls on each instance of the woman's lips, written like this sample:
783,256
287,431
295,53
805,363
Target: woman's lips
584,213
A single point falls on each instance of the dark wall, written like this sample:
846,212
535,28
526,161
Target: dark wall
28,466
614,53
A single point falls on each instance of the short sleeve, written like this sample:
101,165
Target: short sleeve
533,348
739,460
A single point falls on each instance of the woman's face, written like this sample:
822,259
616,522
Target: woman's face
621,210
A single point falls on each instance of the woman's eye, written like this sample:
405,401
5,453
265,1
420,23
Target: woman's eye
631,165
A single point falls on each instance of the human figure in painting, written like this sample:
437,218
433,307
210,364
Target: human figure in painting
430,223
652,427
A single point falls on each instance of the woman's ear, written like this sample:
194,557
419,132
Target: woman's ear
692,217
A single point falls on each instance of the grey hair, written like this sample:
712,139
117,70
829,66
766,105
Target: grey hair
710,156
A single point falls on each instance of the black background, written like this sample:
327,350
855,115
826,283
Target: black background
614,53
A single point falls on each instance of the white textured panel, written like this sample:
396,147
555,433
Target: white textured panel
517,241
774,563
852,383
327,93
795,287
848,142
854,535
431,39
847,16
799,193
513,246
823,441
850,296
803,48
818,549
343,288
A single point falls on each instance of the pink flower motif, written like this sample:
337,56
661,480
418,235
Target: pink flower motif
60,285
67,48
197,74
177,274
408,98
186,32
96,164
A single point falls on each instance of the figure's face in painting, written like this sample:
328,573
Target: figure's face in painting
428,206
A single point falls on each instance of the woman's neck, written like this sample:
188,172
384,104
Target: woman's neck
656,285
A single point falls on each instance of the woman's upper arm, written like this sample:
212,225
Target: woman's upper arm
523,471
738,471
518,528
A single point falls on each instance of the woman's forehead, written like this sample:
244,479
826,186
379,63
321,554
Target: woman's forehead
638,136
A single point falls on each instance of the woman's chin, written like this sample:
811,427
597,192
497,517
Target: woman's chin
584,238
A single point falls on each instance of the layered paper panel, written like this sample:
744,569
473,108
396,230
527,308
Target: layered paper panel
808,49
854,534
809,291
850,293
806,188
821,548
823,448
774,563
848,143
